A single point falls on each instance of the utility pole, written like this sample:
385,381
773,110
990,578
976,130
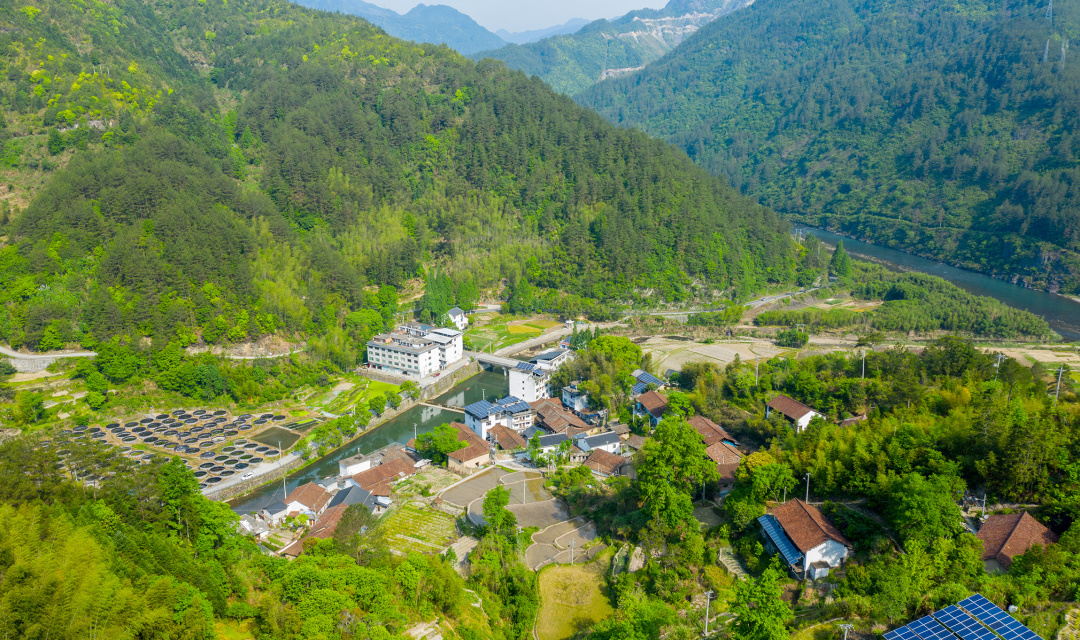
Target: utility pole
708,600
1057,392
757,368
864,364
1064,48
846,628
807,487
571,551
997,365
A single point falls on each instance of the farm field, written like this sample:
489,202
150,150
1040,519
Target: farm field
495,332
571,599
417,528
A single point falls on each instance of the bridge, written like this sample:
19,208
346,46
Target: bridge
493,360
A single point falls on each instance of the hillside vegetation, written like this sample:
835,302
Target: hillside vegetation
609,48
946,128
216,172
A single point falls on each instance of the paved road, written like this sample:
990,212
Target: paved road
32,362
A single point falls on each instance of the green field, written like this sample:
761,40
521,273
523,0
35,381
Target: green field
571,599
362,390
498,332
417,528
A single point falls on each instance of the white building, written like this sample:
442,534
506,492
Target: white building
415,349
510,412
804,537
530,382
608,441
794,411
574,398
458,318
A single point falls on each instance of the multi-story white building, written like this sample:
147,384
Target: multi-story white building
403,354
531,381
415,349
511,412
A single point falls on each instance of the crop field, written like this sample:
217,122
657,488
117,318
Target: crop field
571,599
417,528
344,397
497,332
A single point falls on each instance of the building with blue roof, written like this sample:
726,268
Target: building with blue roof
511,412
644,381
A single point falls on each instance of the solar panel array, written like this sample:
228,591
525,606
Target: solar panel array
780,539
994,617
971,619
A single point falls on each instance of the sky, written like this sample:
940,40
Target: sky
524,15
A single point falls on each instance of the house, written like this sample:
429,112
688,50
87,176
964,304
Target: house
636,442
622,430
415,349
550,416
551,443
379,480
1006,536
604,463
644,381
607,441
577,454
727,459
458,318
511,411
251,526
355,494
575,399
507,439
794,411
472,456
710,431
355,464
652,404
553,358
530,382
275,513
804,537
309,499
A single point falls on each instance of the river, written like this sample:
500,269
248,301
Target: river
400,429
1063,314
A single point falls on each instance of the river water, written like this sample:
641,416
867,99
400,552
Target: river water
1063,314
400,429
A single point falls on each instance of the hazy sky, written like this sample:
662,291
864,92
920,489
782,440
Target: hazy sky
523,15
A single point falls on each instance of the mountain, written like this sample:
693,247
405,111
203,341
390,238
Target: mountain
438,24
219,172
525,37
611,48
947,129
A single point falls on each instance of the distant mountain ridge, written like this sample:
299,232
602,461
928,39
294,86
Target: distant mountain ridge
438,24
943,129
525,37
609,48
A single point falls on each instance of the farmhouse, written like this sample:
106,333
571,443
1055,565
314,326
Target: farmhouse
458,318
804,538
710,431
310,499
652,404
470,457
604,463
1006,536
727,459
794,411
644,381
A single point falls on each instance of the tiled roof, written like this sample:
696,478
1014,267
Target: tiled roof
326,524
635,442
709,430
852,421
475,446
806,525
654,402
553,440
310,495
387,472
507,439
350,496
1007,536
620,428
604,462
554,418
726,472
791,408
723,453
602,439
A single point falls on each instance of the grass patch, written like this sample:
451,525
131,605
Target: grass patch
419,529
544,324
571,599
516,329
234,630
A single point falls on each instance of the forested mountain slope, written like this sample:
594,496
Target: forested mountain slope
438,23
947,129
606,49
238,171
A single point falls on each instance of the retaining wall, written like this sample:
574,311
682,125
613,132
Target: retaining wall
445,383
243,488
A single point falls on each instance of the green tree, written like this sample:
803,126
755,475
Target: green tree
924,508
56,143
759,608
672,469
377,403
840,264
439,442
497,516
50,340
30,407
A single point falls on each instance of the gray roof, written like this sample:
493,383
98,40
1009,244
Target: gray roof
549,355
553,440
352,495
602,439
275,507
456,311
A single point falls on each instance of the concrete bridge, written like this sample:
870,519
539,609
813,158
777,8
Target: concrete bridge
493,360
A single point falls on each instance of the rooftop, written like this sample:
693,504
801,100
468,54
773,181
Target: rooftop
604,462
553,440
807,527
791,408
654,402
709,430
601,439
1006,536
310,495
507,439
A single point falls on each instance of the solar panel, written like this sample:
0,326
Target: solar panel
777,535
929,629
903,633
996,618
962,624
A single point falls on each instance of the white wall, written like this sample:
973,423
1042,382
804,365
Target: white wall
830,551
804,421
354,468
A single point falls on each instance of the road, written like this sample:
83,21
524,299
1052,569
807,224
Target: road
33,362
753,304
